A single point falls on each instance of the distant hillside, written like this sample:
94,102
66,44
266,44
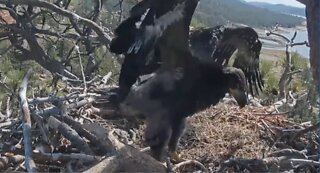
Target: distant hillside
215,12
220,12
280,8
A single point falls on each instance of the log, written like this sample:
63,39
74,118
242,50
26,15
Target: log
70,134
127,159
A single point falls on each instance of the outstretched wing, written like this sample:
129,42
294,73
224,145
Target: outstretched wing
171,17
137,36
219,43
140,15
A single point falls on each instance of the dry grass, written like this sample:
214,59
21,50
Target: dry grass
221,132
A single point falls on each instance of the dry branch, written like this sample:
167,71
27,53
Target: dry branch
306,130
53,98
64,158
305,162
105,146
190,162
70,134
127,159
30,165
103,36
9,159
283,82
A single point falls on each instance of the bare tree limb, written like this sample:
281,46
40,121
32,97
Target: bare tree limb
29,162
103,37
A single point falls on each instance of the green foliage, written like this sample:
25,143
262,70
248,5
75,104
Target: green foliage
270,77
297,63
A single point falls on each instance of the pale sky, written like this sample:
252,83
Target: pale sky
286,2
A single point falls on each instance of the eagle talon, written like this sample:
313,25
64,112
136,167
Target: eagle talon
175,157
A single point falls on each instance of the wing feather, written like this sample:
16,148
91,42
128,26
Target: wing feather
223,43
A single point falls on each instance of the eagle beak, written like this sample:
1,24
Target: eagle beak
240,96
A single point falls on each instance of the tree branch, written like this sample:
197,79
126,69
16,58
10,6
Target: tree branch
29,162
103,37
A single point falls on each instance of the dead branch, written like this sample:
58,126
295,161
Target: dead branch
101,111
190,162
44,131
104,145
64,158
81,103
305,162
9,159
306,130
103,37
6,87
283,82
8,110
30,165
81,67
9,123
272,114
50,111
290,153
70,134
53,98
127,159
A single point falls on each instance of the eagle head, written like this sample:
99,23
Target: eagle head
237,85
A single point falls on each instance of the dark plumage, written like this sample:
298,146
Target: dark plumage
217,45
211,45
182,85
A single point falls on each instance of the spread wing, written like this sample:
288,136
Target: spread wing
148,22
219,43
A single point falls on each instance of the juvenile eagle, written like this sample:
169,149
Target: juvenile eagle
211,45
182,85
217,44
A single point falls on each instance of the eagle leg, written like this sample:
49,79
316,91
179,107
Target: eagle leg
178,127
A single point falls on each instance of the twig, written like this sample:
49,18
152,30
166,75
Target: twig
305,162
53,98
6,87
29,162
81,67
272,114
8,111
187,162
294,72
9,123
279,35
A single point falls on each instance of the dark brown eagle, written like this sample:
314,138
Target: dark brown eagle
211,45
217,45
182,84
